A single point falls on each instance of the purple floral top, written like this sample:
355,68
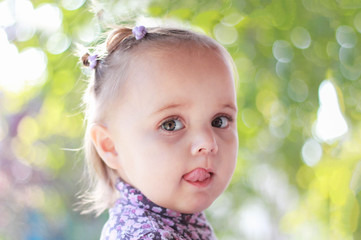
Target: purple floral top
134,216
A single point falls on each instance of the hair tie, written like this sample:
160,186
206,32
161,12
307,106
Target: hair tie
93,61
139,32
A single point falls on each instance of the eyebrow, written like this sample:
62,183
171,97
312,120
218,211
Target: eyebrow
230,106
177,105
167,107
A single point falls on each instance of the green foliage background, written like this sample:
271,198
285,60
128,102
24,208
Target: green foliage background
283,50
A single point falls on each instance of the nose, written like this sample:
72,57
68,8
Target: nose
204,142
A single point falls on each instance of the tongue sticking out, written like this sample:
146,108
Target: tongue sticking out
199,174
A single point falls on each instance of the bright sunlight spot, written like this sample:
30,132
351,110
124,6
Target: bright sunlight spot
330,123
24,68
33,63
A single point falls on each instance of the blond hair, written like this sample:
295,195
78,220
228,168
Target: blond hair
110,72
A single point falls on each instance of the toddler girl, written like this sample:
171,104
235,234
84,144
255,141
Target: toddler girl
161,139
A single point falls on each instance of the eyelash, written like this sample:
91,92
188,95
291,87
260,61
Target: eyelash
228,117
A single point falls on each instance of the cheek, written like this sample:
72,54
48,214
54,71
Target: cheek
160,159
228,147
229,139
160,142
160,149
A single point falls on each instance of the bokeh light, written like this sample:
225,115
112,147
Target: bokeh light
282,51
311,152
72,5
226,35
346,36
330,124
48,18
300,37
58,43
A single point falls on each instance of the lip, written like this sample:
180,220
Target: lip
199,177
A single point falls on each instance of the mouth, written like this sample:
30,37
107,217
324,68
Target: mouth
199,177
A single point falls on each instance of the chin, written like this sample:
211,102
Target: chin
197,205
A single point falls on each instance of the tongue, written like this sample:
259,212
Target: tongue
199,174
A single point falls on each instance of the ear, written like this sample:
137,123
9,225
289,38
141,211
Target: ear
104,145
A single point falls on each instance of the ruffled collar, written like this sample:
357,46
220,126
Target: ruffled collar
132,196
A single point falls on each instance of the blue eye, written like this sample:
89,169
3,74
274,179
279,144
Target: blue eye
172,125
220,122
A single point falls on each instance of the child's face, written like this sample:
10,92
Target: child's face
174,129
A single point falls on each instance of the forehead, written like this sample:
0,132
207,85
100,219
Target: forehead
181,75
181,56
180,62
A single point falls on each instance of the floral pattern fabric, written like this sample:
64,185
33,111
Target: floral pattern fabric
135,217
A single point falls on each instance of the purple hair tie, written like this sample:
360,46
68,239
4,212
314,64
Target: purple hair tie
93,61
139,32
